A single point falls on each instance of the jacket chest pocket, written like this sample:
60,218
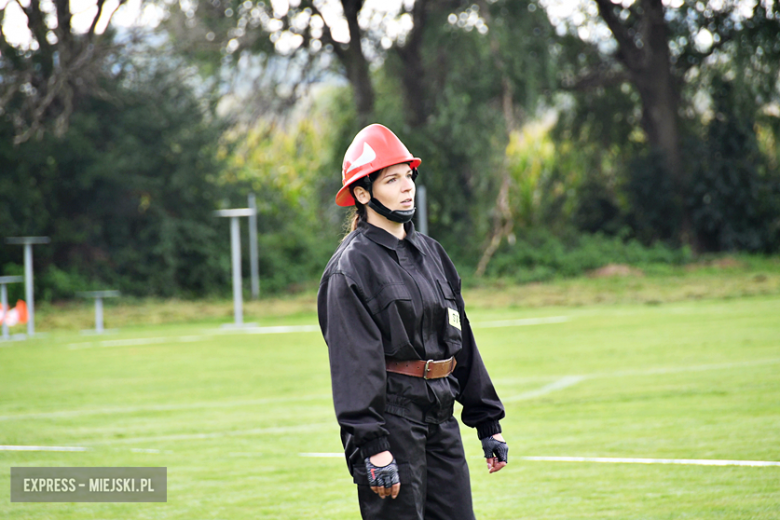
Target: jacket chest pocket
393,312
451,316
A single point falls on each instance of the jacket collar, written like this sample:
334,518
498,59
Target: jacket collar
383,238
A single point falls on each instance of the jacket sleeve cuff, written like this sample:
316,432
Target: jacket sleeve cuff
488,428
374,446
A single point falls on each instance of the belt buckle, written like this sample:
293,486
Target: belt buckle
425,373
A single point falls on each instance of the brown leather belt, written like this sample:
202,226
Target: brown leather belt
426,369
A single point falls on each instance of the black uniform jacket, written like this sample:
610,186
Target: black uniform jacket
380,296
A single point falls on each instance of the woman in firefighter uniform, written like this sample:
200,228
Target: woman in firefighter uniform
401,349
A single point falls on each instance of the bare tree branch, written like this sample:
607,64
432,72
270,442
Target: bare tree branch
628,53
101,6
356,63
36,24
504,219
91,31
44,85
64,17
413,72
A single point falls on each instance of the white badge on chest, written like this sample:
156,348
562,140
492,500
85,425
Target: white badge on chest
454,318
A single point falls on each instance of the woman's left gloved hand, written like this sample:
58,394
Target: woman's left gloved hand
496,452
383,480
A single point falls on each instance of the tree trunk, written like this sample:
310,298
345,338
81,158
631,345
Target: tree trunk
413,73
645,53
654,80
356,64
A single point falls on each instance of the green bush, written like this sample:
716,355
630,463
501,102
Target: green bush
734,190
57,284
292,259
538,255
125,193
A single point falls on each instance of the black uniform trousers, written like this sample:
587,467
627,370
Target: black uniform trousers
433,472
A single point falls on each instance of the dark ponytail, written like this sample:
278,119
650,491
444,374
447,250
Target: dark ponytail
360,214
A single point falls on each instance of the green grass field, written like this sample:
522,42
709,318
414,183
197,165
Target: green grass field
230,414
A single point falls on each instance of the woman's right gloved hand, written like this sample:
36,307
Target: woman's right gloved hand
496,452
384,480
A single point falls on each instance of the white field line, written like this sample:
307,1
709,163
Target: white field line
560,384
520,323
130,342
645,372
567,381
42,448
611,460
694,368
273,430
602,460
687,462
161,407
283,329
279,329
12,338
193,436
323,455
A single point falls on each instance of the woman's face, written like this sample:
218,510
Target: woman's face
395,188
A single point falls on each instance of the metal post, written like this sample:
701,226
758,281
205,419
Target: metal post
253,259
235,255
5,309
28,289
28,242
422,210
99,315
98,296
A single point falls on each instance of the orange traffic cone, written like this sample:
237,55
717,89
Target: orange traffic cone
21,308
15,316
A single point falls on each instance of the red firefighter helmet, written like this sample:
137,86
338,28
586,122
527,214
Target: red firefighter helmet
375,147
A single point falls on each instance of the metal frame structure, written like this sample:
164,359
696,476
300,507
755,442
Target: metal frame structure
98,296
235,256
28,242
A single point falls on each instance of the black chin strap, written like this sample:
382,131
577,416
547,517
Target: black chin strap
398,215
